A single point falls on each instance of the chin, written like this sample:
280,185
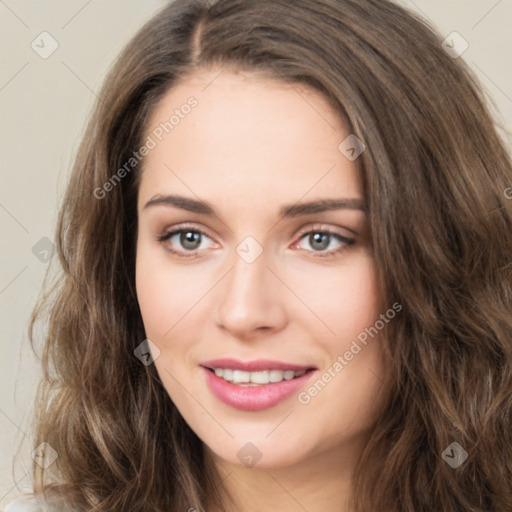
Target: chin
259,454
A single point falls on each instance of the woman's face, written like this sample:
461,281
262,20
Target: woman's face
254,276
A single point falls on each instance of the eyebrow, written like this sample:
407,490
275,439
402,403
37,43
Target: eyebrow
292,210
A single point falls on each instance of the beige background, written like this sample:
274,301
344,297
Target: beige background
43,107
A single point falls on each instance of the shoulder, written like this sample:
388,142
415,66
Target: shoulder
27,503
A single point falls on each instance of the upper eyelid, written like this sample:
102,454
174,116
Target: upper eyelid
184,227
323,229
317,227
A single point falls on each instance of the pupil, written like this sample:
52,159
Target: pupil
321,239
189,239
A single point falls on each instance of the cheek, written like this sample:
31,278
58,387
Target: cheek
168,296
166,292
152,294
359,297
344,299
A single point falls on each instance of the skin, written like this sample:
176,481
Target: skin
250,146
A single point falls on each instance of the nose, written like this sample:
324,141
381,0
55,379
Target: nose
250,299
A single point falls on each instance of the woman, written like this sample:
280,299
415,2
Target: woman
286,273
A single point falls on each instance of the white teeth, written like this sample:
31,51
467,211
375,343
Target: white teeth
276,375
259,377
241,376
256,378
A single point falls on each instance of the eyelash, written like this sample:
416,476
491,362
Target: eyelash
320,254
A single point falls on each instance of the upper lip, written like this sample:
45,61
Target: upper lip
255,365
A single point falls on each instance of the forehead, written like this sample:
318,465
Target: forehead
246,136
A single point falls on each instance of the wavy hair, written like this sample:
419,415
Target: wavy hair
435,174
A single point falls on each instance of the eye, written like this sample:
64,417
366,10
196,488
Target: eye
321,239
187,242
187,239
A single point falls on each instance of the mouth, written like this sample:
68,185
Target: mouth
255,385
257,378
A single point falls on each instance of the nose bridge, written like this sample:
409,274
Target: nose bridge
246,281
247,300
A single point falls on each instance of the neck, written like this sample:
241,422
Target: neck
321,482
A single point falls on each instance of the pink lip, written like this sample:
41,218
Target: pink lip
253,398
254,366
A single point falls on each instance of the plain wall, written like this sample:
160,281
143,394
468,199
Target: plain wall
44,104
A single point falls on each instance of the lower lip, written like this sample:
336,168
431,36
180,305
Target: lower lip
254,398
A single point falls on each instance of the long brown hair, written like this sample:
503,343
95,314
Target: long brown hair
435,175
